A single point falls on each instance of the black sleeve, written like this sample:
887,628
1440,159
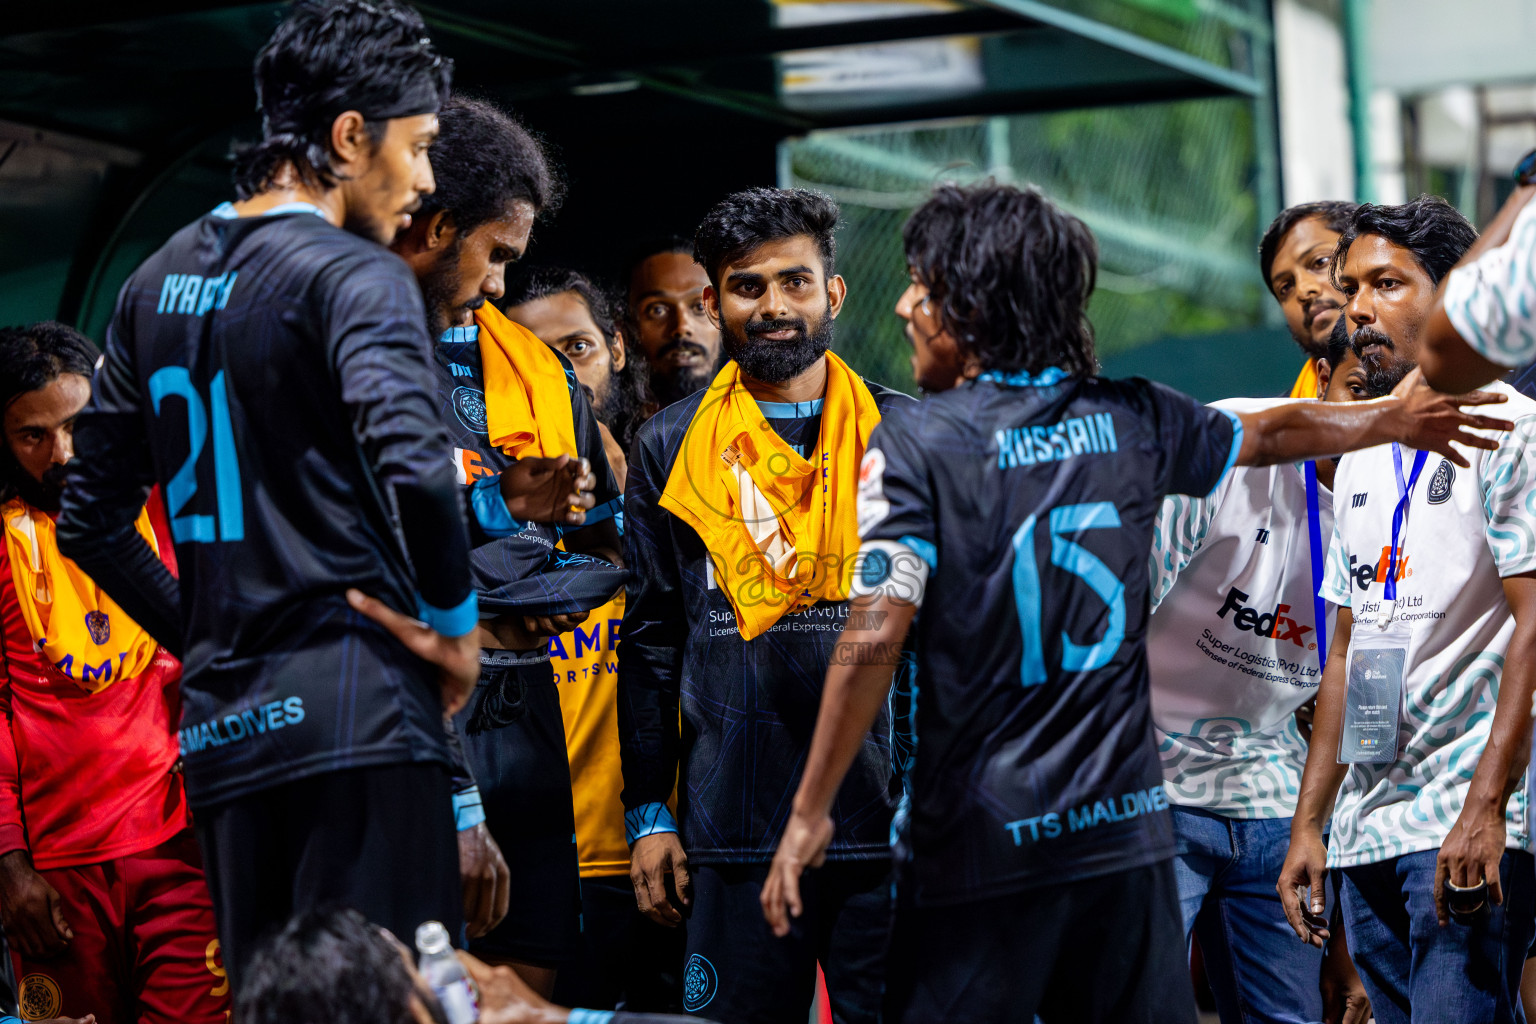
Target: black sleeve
109,481
1197,443
654,632
375,327
895,497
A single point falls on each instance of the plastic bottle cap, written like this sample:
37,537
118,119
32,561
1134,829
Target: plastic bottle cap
431,937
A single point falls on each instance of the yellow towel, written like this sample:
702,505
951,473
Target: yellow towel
77,627
1306,381
527,398
782,531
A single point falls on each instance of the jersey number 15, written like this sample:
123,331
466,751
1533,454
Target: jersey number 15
1082,563
176,381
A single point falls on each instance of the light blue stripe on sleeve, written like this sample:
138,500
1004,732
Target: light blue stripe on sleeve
925,550
455,621
646,820
581,1016
491,509
1237,446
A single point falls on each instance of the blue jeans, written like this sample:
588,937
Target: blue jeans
1226,868
1417,972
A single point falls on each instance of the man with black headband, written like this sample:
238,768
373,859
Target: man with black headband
269,368
741,536
1423,717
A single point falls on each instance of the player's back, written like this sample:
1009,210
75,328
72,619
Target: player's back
278,362
1035,761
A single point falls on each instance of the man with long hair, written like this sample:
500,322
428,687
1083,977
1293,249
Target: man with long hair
1035,867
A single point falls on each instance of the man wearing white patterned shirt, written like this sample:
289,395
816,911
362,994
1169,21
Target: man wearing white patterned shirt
1484,320
1427,690
1234,649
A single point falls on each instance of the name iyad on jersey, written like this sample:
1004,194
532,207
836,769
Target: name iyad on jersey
1276,624
1077,435
194,294
1365,573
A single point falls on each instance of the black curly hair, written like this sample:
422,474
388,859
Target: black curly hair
1010,273
31,358
1429,227
1334,213
484,160
630,402
331,965
328,57
744,221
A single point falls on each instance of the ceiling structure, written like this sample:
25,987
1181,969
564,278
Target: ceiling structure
655,109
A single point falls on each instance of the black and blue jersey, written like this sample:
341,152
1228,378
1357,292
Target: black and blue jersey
748,708
273,375
515,566
1033,499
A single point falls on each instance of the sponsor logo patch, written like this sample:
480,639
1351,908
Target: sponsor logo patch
40,997
99,626
1440,483
469,406
699,983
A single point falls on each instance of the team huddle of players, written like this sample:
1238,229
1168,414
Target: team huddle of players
666,660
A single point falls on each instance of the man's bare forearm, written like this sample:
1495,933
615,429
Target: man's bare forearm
1323,775
1501,768
858,680
1307,430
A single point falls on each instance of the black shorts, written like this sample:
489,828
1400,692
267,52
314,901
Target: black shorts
514,741
1108,950
380,840
627,959
739,973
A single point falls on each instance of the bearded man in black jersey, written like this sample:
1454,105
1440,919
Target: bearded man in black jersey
513,409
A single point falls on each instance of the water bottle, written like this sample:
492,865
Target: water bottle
446,975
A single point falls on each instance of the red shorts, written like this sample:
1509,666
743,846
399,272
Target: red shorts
145,946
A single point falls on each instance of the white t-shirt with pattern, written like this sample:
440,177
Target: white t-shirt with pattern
1466,530
1232,643
1492,301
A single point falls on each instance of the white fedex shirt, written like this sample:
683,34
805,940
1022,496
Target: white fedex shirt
1233,640
1466,530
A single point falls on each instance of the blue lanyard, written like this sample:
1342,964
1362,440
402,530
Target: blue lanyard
1404,496
1315,534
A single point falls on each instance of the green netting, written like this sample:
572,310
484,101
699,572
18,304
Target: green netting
1168,190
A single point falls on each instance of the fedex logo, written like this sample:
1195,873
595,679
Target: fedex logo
468,466
1276,625
1364,573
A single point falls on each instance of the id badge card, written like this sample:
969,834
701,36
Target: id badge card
1374,702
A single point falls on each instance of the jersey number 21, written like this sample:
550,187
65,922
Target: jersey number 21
175,380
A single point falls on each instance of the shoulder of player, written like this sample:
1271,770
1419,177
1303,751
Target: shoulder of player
886,398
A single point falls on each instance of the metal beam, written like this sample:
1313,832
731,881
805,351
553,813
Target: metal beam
79,15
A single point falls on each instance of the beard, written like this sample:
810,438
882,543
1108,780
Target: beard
673,384
1384,369
45,495
440,293
774,362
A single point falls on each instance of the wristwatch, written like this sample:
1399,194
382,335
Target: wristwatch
1525,170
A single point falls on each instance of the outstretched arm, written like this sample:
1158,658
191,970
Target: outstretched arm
1414,415
1449,360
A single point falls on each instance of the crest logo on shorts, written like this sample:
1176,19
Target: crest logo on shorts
40,997
469,405
699,983
99,625
1440,483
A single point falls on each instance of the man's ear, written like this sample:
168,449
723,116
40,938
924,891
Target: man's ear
616,349
350,142
426,236
1324,375
837,291
712,306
